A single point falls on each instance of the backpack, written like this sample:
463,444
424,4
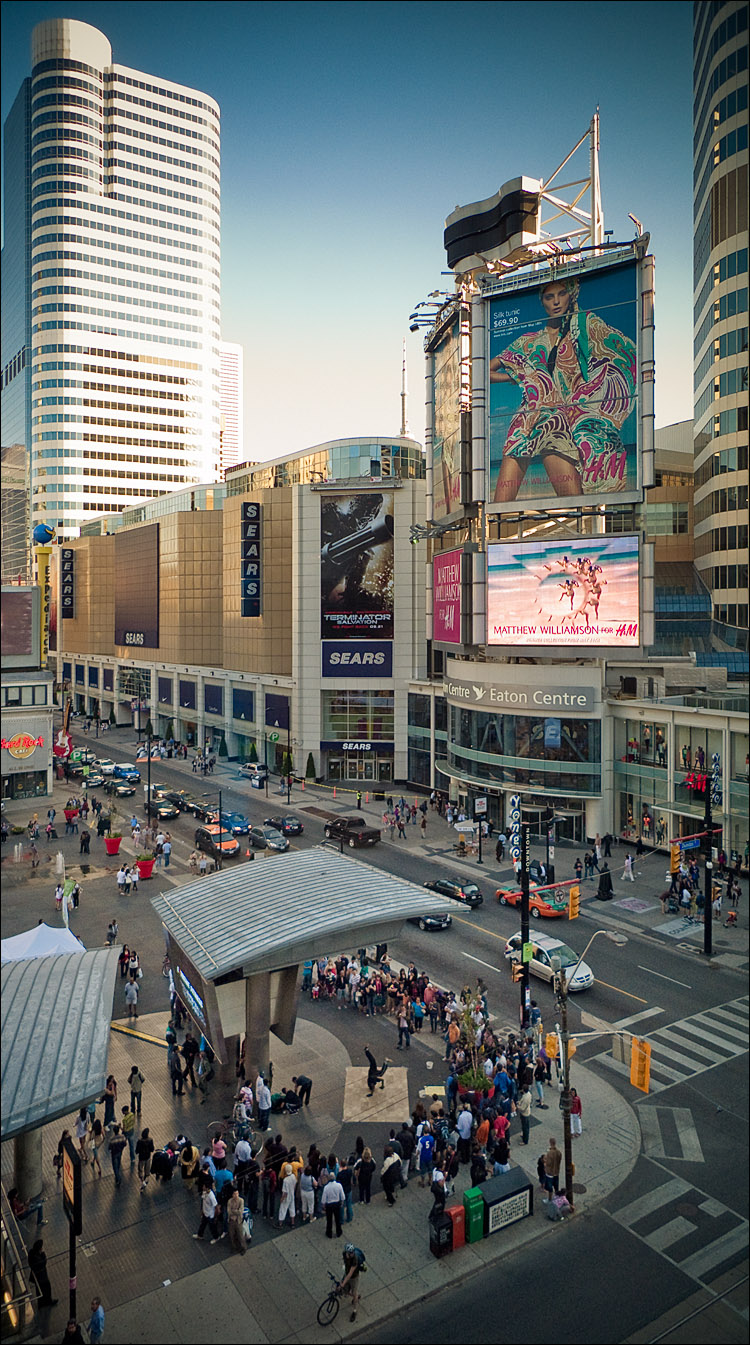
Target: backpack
360,1259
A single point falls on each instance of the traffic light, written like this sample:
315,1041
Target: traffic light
551,1045
674,859
574,902
640,1064
516,971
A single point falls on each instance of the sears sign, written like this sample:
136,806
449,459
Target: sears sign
357,658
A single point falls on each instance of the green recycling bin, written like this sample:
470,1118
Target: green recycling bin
474,1208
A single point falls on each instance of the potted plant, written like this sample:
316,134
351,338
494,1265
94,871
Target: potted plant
145,864
472,1079
112,843
310,769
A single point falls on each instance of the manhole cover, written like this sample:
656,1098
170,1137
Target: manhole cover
689,1211
579,1189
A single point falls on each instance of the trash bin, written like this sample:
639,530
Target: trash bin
457,1214
474,1214
441,1234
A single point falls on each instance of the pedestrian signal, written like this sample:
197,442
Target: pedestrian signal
574,902
572,1047
550,1044
516,971
640,1064
674,859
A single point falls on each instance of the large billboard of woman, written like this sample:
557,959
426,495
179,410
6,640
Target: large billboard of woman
563,382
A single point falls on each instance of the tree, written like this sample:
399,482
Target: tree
287,766
253,754
112,719
149,729
223,747
170,729
310,768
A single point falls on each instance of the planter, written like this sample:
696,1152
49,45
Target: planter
145,867
112,844
70,814
474,1093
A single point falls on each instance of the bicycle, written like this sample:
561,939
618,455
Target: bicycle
231,1132
329,1308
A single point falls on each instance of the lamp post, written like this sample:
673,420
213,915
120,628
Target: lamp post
561,991
525,987
708,911
288,757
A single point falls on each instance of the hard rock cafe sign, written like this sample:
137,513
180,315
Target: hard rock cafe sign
21,744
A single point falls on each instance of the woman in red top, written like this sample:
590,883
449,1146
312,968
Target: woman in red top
576,1125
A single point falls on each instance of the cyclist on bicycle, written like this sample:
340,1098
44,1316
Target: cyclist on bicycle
353,1260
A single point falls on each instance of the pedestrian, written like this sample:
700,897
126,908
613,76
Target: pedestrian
403,1029
167,851
332,1201
353,1262
136,1081
523,1109
425,1152
401,827
144,1150
359,799
303,1087
38,1268
288,1195
124,958
364,1169
134,878
117,1143
96,1322
604,890
122,880
390,1173
110,1098
576,1126
131,997
72,1334
578,869
235,1214
263,1100
552,1161
82,1133
127,1125
176,1072
628,869
98,1136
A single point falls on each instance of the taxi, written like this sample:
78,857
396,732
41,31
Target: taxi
216,840
546,901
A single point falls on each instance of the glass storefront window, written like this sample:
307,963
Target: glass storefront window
739,764
643,741
358,715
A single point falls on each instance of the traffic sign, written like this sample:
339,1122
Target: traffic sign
527,952
480,806
692,843
273,737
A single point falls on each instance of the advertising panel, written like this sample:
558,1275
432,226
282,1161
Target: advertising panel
581,593
137,587
356,566
446,419
563,404
446,597
357,658
251,561
20,640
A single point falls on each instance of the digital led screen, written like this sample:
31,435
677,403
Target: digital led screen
446,597
583,593
356,566
137,587
563,383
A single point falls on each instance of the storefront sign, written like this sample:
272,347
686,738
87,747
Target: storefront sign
21,745
446,597
67,582
359,746
716,778
514,826
62,745
520,699
251,561
361,658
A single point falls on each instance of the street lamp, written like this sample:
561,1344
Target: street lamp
561,990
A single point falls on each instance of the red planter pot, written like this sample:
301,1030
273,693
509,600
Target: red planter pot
476,1092
112,844
145,867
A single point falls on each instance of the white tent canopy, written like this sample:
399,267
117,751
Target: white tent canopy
41,941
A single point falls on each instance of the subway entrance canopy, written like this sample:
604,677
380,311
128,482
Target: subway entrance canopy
236,939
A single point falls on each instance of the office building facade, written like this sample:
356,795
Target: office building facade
720,281
232,406
111,365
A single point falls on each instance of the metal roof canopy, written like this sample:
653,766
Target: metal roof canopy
56,1013
273,914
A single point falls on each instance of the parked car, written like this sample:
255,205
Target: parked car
253,771
105,765
288,825
549,902
354,831
267,838
216,841
544,949
185,803
431,921
121,789
125,771
467,893
161,809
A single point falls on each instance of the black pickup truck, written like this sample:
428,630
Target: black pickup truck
353,831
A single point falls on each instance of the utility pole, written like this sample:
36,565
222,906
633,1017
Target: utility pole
562,999
525,989
709,891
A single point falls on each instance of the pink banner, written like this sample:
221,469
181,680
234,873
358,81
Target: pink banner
446,597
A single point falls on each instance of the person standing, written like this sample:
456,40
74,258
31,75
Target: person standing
38,1268
117,1143
96,1322
364,1170
167,851
628,869
209,1210
350,1282
576,1125
263,1099
552,1161
332,1201
131,997
176,1072
128,1129
136,1081
235,1213
523,1108
390,1174
403,1029
82,1133
144,1152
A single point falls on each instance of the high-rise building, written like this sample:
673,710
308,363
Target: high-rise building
111,275
231,451
720,284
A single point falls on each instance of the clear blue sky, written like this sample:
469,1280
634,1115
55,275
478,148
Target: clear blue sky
349,132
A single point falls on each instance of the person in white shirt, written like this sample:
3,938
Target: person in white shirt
332,1201
209,1208
263,1095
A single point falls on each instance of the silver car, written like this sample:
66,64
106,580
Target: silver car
267,838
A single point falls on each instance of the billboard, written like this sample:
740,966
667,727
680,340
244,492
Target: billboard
137,587
446,597
563,380
357,658
446,421
580,594
356,566
20,620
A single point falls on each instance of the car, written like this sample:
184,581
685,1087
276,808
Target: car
353,830
267,838
544,949
234,822
288,825
161,809
125,771
105,765
93,780
83,756
549,901
216,841
185,803
205,812
253,771
75,771
467,893
431,921
122,789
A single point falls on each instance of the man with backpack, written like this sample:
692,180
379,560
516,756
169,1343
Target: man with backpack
354,1264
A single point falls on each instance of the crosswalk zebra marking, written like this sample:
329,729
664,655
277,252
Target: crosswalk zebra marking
698,1043
679,1040
676,1226
682,1144
653,1200
716,1252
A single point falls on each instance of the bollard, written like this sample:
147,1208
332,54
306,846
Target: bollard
303,784
367,798
334,791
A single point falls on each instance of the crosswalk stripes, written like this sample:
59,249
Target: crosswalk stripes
669,1132
674,1220
691,1045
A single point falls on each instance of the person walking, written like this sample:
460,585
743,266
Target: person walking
127,1125
38,1268
136,1081
576,1125
176,1072
332,1201
390,1173
209,1213
122,880
144,1152
82,1133
96,1322
404,1034
131,997
628,869
235,1215
117,1143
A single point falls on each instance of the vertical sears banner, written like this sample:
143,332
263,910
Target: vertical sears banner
251,561
563,390
446,597
67,582
356,566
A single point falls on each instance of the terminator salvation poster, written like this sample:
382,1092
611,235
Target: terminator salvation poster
356,566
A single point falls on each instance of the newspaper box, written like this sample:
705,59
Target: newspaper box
506,1199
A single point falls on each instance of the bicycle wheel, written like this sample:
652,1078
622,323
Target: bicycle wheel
328,1310
218,1130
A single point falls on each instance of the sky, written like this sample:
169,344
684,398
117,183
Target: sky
350,130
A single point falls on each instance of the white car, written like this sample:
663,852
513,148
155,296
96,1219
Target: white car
106,767
253,771
544,949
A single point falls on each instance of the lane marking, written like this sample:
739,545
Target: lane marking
637,1017
618,991
479,960
664,978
